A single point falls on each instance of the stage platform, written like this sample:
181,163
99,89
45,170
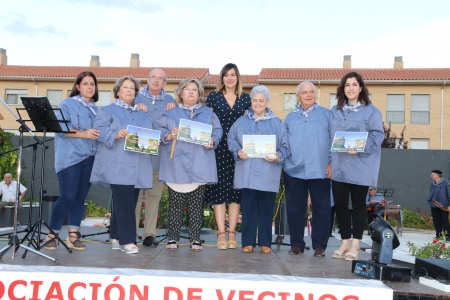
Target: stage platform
99,255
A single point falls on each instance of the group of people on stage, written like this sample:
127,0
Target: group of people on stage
221,174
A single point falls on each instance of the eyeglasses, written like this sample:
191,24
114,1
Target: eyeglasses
186,90
157,78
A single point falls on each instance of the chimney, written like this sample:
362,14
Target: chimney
347,62
398,62
134,61
95,61
3,57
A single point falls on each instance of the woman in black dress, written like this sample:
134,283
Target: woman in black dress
229,103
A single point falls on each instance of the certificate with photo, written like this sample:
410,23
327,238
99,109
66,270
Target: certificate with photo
142,140
259,146
194,132
344,141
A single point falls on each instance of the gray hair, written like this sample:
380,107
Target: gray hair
183,84
303,84
7,174
119,83
157,69
260,89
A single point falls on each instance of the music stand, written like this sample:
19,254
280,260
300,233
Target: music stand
14,240
43,117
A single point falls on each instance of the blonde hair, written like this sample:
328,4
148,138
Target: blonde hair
183,84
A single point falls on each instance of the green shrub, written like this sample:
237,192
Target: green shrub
94,210
419,219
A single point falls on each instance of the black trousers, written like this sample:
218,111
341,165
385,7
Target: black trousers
123,218
357,193
440,221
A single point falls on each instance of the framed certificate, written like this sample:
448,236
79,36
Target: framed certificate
142,140
194,132
259,146
344,141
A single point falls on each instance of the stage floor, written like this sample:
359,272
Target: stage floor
98,254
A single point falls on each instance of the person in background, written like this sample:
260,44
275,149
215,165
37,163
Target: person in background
353,172
8,192
439,203
307,170
192,167
258,178
229,103
74,158
156,100
374,204
125,172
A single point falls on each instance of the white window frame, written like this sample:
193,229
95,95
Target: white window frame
395,108
420,109
103,100
55,97
12,96
419,143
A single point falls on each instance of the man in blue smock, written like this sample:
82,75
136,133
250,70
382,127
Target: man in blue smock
307,170
156,100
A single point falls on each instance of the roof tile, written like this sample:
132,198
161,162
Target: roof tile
368,74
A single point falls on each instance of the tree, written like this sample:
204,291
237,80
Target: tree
391,140
8,161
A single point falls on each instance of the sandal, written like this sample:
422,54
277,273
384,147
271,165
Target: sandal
196,246
343,249
350,255
76,244
247,249
338,254
266,250
51,242
115,244
172,245
221,245
232,244
130,248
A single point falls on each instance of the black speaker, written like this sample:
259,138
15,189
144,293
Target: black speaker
433,267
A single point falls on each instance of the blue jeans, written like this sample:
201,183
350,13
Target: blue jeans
73,188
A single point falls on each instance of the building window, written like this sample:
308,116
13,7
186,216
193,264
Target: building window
104,98
420,109
289,101
333,100
419,144
172,93
395,108
13,96
55,97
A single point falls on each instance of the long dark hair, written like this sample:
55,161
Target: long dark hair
221,85
363,95
75,91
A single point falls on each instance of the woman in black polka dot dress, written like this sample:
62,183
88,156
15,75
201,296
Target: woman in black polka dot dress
229,103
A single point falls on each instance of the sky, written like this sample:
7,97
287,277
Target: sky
254,34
